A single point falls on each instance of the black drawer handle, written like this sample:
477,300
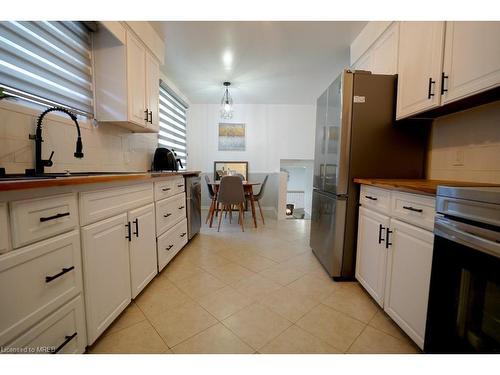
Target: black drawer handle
165,189
167,215
183,234
387,241
410,208
48,279
181,185
56,216
129,232
168,248
443,77
430,94
380,229
136,222
66,341
371,198
181,207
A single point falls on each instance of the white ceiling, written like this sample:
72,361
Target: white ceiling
266,62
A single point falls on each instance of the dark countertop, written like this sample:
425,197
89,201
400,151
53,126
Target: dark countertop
419,186
9,185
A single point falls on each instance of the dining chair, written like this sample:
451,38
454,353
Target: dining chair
231,193
258,197
213,198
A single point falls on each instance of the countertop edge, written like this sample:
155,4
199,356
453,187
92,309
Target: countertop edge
84,180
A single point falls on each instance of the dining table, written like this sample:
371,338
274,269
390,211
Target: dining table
247,188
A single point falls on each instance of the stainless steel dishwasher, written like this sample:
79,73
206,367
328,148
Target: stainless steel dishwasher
193,204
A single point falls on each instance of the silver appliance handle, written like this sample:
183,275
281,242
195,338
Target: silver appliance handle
484,240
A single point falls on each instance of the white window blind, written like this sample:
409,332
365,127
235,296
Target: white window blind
48,63
172,133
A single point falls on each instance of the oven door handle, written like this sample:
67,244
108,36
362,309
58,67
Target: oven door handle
484,240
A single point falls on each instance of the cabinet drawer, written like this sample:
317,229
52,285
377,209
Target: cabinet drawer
101,204
36,280
375,198
169,188
4,229
63,331
36,219
171,242
169,212
414,209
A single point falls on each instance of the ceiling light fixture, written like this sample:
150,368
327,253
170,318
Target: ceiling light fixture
226,111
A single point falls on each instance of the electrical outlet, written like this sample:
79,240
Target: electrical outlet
458,160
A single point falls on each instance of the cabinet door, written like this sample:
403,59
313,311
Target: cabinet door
143,262
408,277
419,64
471,58
385,51
371,252
4,229
152,91
136,77
106,273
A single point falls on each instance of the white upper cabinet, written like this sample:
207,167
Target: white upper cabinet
136,73
382,56
153,92
127,81
471,58
419,67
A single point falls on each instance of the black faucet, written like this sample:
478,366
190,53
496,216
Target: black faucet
41,163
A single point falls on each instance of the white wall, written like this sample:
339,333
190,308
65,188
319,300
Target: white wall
273,132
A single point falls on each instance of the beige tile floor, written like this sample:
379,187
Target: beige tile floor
261,291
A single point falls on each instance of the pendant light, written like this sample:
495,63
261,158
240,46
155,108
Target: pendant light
226,111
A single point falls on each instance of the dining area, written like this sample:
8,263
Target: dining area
230,191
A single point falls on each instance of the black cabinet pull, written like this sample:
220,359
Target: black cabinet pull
136,222
48,279
181,185
380,229
443,77
168,248
410,208
167,215
146,112
53,217
66,341
129,233
150,117
165,189
430,93
181,207
387,241
371,198
183,234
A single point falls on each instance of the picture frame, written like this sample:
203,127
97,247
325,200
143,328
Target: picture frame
222,168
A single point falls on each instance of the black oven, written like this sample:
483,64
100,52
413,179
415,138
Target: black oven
464,299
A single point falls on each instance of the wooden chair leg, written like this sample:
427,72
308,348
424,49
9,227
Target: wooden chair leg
210,211
220,217
241,215
261,215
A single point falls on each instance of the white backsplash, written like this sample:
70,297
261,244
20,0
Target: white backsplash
106,147
465,146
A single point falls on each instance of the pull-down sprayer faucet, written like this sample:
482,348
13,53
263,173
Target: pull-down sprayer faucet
40,163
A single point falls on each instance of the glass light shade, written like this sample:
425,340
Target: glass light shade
226,111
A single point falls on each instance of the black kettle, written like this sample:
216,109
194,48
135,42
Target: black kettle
166,160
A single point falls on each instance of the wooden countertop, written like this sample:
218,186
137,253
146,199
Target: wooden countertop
10,185
414,185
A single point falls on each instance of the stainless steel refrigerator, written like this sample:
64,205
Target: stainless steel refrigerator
356,136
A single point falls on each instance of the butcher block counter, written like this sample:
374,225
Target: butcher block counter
94,178
419,186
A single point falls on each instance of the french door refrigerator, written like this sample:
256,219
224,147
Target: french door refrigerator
356,136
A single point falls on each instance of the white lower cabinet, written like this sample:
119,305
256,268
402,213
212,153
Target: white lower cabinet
408,278
106,266
4,229
143,262
372,255
394,259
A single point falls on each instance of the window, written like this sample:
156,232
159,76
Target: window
48,63
173,122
